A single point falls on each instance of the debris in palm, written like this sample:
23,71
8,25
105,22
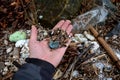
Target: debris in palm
57,38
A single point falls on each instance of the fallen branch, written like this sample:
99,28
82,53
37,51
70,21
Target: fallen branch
106,46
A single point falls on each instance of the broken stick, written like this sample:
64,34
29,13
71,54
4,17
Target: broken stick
106,46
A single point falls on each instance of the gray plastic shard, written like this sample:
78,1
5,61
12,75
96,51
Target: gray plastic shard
91,17
94,16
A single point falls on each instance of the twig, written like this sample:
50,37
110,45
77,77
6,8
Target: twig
70,68
31,13
71,73
34,12
62,10
26,14
85,59
76,60
93,59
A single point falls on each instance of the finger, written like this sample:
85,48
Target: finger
69,29
33,36
68,42
59,24
70,35
65,25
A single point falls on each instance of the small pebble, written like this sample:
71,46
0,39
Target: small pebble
87,43
90,37
15,57
4,73
109,79
5,42
107,68
5,69
2,65
114,36
40,16
117,53
45,33
28,33
106,38
7,63
99,65
75,73
95,47
16,51
22,61
25,55
80,38
9,49
75,40
101,76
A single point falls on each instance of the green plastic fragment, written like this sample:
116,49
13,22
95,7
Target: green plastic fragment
18,35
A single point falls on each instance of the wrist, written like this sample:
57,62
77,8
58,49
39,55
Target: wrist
41,63
48,60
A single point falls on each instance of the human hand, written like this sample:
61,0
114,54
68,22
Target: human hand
41,50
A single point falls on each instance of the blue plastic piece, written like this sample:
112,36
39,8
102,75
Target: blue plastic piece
54,44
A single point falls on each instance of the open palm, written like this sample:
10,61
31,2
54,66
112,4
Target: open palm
41,50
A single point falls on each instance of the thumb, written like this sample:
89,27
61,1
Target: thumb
33,36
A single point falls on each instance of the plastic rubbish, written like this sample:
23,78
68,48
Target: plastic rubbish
90,37
21,43
107,4
114,31
94,16
54,44
79,38
75,74
91,17
100,76
100,66
95,47
117,52
18,35
25,50
109,79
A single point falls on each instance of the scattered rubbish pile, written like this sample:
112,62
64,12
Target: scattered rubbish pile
93,53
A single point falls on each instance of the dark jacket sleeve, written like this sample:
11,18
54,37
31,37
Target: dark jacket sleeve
35,69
